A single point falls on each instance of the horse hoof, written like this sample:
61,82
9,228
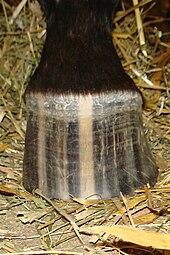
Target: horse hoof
86,146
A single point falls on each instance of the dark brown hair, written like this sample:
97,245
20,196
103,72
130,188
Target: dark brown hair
78,55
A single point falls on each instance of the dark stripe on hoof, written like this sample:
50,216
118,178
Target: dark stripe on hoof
88,146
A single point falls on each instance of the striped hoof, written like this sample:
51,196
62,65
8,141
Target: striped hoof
87,146
90,146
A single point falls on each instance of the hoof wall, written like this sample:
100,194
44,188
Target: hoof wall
86,146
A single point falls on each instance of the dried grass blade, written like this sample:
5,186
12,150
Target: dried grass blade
63,213
17,11
121,16
140,27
